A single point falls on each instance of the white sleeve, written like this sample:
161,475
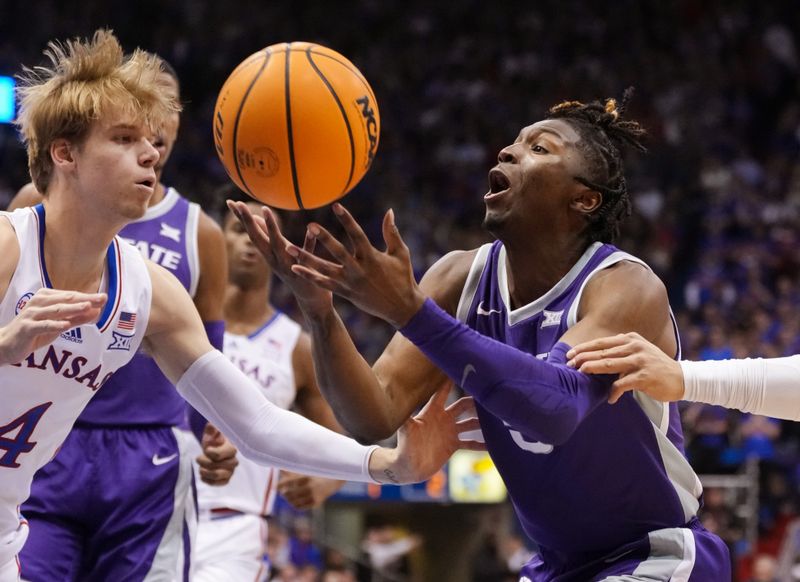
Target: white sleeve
264,432
762,386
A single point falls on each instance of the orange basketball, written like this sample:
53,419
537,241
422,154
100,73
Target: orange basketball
296,125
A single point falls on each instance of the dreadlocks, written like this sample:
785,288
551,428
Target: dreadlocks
603,136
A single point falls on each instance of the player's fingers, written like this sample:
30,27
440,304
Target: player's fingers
472,445
222,452
309,242
314,262
318,279
468,424
463,406
623,365
623,385
395,245
61,297
358,238
594,345
337,250
619,351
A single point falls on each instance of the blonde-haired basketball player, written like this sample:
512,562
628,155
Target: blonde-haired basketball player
138,481
76,303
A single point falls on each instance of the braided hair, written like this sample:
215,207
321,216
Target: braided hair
603,136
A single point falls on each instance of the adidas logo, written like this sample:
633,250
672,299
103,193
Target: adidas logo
73,335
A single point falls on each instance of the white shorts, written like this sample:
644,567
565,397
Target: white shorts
9,572
230,549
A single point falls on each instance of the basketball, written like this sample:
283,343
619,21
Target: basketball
296,125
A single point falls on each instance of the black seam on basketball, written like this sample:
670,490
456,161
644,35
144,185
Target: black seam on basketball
350,67
344,117
292,161
238,116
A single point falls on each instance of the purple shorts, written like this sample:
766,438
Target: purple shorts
113,504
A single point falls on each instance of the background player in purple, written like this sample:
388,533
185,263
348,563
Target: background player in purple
138,479
604,490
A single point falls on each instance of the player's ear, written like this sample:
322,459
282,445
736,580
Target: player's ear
61,152
586,201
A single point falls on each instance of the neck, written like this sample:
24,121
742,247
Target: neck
534,267
246,308
158,193
75,244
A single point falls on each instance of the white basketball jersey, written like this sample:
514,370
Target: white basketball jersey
265,356
44,393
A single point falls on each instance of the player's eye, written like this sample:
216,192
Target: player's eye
536,148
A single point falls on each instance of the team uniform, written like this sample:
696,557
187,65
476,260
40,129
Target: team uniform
232,533
616,501
45,392
117,502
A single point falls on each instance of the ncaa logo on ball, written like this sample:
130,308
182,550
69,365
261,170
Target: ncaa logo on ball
370,127
23,301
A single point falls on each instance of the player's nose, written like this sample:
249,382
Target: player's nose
150,154
506,155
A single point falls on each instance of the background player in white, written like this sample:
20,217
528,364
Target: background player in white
134,423
87,122
275,353
768,386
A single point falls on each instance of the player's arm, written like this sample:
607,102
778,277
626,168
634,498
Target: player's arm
28,195
46,315
762,386
544,400
370,402
268,434
209,299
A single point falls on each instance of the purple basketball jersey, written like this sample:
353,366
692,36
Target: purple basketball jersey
621,475
139,394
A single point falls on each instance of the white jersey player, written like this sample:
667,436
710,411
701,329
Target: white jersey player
87,123
273,351
44,392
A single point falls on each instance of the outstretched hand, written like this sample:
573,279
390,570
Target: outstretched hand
640,364
46,315
379,282
269,240
427,440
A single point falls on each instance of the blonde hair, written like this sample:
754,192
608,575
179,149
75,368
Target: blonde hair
87,77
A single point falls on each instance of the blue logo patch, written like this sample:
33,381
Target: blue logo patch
23,301
121,341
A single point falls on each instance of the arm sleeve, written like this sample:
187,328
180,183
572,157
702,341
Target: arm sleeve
264,432
761,386
215,330
543,400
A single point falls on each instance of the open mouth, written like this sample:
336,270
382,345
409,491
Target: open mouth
149,183
498,182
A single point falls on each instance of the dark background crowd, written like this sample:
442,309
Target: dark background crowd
716,199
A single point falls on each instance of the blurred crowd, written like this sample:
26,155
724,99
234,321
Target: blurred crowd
717,198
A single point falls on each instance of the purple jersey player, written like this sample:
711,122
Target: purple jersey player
117,501
605,491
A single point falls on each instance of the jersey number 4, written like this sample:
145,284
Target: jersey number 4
19,443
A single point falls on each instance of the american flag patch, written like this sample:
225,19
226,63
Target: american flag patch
127,321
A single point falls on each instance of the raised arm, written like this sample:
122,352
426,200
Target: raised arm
545,400
266,433
371,403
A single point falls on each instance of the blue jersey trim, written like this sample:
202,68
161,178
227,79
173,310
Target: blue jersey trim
111,264
269,322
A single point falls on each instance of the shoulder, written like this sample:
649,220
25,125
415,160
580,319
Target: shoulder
627,289
445,280
209,233
9,258
170,300
28,195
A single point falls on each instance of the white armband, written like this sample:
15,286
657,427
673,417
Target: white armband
770,387
262,431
